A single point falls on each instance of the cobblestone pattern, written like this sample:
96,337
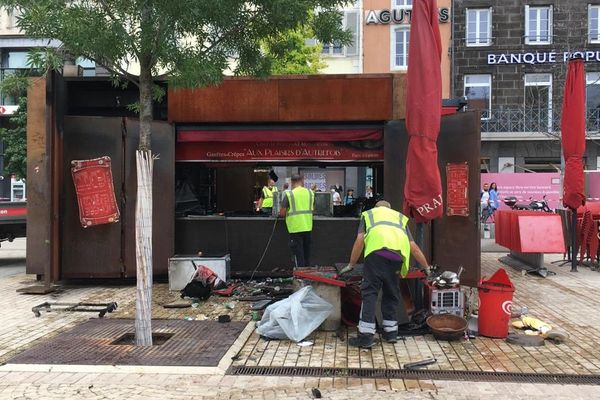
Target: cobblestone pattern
567,301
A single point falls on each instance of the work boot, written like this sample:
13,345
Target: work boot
390,337
363,340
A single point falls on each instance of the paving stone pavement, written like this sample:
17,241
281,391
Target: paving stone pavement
566,300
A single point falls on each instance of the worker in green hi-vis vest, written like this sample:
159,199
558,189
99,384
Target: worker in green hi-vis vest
388,245
265,203
297,207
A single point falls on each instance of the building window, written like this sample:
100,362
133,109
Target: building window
88,66
478,91
402,3
593,90
592,95
479,27
351,22
400,42
593,24
538,103
538,25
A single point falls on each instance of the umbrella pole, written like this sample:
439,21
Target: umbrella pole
573,240
418,285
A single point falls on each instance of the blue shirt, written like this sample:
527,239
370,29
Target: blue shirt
494,198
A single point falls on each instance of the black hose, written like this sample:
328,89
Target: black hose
266,248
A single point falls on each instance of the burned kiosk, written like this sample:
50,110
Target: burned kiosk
217,147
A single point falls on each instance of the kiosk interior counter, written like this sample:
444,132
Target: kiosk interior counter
235,189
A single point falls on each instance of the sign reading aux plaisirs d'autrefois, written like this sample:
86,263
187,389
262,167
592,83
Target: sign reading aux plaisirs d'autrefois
548,57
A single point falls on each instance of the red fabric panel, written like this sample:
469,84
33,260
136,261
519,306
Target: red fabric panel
278,135
573,135
423,187
521,231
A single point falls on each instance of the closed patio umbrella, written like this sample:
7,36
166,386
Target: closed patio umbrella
573,145
423,185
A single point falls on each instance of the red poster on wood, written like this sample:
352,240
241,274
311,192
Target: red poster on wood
457,196
95,191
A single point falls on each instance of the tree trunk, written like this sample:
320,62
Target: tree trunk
143,216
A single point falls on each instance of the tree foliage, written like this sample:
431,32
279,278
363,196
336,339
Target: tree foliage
294,54
189,42
15,142
14,137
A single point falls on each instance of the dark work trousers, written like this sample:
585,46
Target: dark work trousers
379,273
300,246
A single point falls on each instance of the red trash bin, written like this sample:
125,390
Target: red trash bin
495,305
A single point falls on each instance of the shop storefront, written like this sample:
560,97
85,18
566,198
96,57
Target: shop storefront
217,147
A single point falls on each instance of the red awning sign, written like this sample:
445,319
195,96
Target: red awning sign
276,151
189,135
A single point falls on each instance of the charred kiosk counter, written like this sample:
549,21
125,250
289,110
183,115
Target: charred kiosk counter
245,239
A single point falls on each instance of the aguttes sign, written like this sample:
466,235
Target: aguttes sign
398,16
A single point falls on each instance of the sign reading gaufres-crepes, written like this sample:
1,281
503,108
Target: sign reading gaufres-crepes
548,57
398,16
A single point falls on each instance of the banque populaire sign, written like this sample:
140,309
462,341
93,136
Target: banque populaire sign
548,57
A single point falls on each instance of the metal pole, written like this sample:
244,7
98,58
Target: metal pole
418,285
573,240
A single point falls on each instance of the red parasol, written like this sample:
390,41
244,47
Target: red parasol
573,135
573,144
423,187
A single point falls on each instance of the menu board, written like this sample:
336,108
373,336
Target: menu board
457,196
95,191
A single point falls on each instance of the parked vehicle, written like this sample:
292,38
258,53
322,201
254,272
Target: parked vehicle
532,205
13,220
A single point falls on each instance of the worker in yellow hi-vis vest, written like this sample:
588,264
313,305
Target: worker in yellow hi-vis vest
297,207
265,203
388,245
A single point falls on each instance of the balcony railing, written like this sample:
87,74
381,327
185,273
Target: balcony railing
531,120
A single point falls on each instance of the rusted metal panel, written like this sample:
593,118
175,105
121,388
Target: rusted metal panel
330,98
163,207
286,99
241,100
399,97
449,241
93,252
39,172
456,239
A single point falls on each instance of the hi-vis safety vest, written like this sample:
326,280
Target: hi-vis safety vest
386,229
268,196
299,217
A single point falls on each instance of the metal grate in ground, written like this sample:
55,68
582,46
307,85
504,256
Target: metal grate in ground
193,343
422,374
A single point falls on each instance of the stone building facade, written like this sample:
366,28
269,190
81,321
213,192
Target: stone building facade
509,58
